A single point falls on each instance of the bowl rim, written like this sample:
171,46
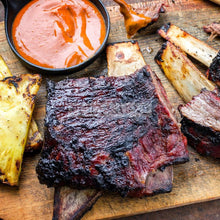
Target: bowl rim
71,69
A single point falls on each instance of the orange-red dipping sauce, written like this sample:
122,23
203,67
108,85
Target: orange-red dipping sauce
58,33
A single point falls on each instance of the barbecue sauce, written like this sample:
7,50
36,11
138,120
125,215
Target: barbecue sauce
58,33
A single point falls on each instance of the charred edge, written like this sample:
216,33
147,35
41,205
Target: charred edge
33,148
1,173
13,80
158,57
34,144
33,81
155,192
176,161
165,28
18,164
121,42
144,28
5,181
195,137
36,133
213,72
9,78
163,190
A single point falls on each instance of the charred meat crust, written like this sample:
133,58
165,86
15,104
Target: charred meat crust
200,122
213,72
97,133
205,140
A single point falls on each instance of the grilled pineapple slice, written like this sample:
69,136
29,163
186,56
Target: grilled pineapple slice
34,141
17,96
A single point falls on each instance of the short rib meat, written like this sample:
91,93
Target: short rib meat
109,133
201,122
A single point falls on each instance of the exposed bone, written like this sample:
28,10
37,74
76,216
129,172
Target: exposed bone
191,45
184,76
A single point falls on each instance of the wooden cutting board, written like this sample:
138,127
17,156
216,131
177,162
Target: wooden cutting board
194,182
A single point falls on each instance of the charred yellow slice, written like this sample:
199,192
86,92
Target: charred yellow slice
35,140
181,72
17,96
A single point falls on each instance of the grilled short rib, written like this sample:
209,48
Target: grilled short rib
201,122
122,58
109,133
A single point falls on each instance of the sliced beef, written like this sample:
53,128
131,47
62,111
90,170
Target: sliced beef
201,122
109,133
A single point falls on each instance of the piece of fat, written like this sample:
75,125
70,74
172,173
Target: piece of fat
181,72
35,140
17,96
188,43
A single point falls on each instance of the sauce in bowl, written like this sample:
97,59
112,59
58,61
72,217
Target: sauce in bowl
58,33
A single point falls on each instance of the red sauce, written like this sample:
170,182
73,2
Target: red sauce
58,33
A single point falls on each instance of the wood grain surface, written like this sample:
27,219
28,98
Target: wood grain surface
194,182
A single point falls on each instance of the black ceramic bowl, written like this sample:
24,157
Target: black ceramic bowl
12,7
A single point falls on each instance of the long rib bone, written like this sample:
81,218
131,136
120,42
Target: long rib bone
184,76
191,45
